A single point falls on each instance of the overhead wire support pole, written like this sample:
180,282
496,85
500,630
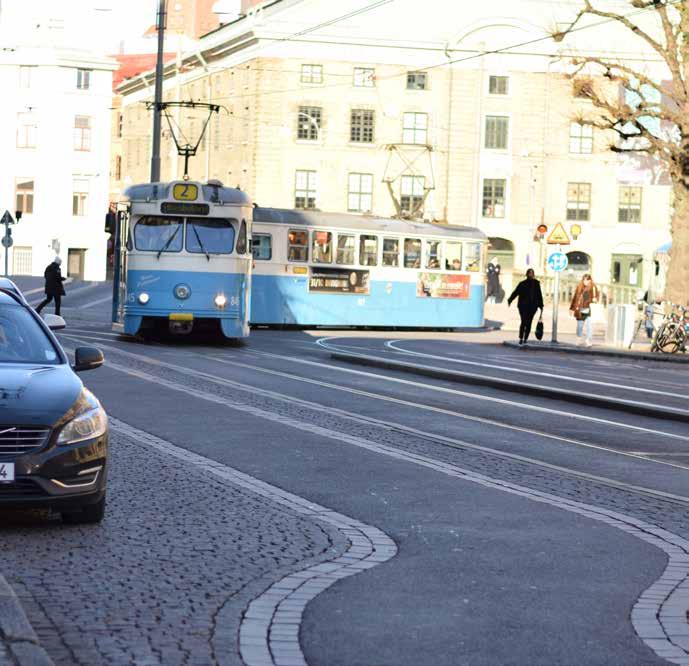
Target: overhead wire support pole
157,110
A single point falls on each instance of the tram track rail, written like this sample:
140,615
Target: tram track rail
384,425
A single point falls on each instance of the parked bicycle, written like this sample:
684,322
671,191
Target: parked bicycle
672,335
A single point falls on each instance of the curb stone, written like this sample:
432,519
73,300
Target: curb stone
17,635
566,395
566,348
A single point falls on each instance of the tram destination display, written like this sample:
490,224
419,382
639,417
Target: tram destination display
338,281
443,285
174,208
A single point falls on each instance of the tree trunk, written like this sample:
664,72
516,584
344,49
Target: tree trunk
677,286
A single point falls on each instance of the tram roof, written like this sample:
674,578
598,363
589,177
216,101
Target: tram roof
149,192
362,222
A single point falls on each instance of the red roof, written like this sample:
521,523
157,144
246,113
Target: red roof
131,65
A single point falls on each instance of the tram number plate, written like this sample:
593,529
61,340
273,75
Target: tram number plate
182,316
6,472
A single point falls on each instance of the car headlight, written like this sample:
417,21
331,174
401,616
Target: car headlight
86,419
144,298
182,291
220,300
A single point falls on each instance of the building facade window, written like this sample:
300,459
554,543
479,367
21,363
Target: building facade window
415,128
364,77
83,79
82,133
417,81
24,190
80,196
412,193
493,197
360,193
309,123
312,73
305,189
362,126
580,138
118,167
497,132
579,201
630,205
120,124
26,76
498,85
27,130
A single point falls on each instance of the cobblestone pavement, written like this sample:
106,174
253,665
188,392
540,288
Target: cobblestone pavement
148,585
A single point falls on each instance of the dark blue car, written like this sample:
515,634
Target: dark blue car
53,431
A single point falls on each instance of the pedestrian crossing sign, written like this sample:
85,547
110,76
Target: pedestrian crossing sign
558,236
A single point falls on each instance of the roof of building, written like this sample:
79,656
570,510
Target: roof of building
363,222
133,64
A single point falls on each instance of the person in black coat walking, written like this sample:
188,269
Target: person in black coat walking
54,289
530,299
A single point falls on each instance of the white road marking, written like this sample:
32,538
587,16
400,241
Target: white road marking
627,387
98,302
73,293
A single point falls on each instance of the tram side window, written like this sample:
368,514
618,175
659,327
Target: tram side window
432,254
241,239
262,247
472,257
345,249
297,245
155,234
368,250
412,253
453,256
211,235
322,247
391,252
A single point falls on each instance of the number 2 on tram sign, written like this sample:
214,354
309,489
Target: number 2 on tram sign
185,192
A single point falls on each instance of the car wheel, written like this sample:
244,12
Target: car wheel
92,513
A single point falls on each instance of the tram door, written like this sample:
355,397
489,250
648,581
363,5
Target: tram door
119,283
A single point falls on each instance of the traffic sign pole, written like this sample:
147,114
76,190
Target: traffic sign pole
556,303
7,238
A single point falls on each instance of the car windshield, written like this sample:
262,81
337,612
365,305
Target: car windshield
158,234
21,338
211,235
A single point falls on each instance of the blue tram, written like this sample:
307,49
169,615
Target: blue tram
183,259
331,269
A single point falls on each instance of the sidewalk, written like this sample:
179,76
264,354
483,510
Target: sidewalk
506,319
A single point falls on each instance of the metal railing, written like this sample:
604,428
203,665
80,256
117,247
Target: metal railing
610,294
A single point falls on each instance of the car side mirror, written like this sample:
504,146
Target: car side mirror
54,322
87,358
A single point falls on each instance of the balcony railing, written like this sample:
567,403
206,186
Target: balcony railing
610,294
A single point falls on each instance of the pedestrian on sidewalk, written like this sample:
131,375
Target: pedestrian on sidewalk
54,289
529,300
585,294
493,287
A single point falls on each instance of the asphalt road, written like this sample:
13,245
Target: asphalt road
526,528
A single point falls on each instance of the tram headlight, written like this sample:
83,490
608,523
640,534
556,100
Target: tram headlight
144,298
182,291
220,300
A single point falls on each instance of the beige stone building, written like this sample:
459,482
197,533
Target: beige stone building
373,117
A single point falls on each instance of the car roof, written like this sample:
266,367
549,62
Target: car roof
9,296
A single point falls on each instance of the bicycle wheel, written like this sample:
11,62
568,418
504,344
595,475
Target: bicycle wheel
672,338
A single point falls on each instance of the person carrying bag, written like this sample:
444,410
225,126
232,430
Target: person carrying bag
585,294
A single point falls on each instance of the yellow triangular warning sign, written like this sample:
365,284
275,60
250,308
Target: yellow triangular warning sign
558,236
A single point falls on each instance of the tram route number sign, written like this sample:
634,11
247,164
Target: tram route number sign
339,281
558,261
7,241
6,472
443,285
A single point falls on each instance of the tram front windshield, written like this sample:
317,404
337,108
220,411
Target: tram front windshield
159,234
212,235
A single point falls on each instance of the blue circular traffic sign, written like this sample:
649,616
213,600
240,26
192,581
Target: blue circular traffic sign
558,261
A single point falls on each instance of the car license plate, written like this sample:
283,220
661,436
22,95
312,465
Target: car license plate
6,472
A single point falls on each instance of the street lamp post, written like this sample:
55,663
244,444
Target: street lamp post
155,151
